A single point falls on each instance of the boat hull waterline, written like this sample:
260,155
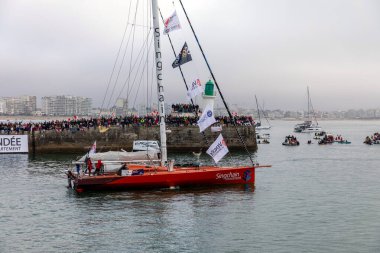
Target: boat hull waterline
161,178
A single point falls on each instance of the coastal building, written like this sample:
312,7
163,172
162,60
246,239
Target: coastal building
66,105
2,106
121,106
24,105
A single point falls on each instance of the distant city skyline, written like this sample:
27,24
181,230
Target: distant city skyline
273,49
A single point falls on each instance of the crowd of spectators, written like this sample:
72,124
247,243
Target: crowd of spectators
83,124
184,108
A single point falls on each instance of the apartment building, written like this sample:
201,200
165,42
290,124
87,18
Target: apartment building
66,105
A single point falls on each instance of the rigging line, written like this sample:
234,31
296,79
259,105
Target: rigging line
147,59
133,29
120,68
141,77
151,83
134,65
147,74
184,80
265,116
313,112
129,73
217,86
117,57
138,68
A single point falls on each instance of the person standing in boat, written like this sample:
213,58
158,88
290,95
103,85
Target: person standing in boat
98,166
89,166
197,156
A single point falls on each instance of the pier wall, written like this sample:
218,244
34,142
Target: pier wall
180,139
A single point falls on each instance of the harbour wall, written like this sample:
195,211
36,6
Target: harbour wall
179,139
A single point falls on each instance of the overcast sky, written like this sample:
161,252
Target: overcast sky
273,49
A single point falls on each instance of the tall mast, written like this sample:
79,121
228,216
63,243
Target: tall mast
160,86
258,110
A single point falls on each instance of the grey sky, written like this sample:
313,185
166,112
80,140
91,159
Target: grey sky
270,48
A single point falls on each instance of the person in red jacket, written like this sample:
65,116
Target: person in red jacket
89,166
98,166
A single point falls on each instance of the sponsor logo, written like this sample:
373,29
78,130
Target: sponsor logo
247,175
209,113
228,176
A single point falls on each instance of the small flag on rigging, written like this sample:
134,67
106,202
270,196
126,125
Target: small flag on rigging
218,149
171,23
206,119
183,57
195,89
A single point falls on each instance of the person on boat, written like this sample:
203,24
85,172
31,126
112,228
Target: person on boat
123,167
98,166
89,166
197,162
77,166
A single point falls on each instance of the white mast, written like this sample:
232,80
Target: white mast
160,87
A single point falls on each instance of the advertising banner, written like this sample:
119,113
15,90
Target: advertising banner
13,144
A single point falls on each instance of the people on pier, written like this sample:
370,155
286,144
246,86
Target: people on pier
86,124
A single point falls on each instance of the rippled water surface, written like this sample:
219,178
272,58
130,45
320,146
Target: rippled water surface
314,199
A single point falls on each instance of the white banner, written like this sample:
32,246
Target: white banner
171,23
195,89
206,119
218,149
13,144
215,129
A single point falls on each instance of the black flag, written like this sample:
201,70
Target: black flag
183,57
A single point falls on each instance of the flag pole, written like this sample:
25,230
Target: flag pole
217,86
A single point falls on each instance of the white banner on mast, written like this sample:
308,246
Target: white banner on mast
218,149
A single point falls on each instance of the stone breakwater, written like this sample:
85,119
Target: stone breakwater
180,139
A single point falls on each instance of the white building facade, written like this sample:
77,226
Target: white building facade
66,106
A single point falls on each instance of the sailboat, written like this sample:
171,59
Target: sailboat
258,125
308,126
132,175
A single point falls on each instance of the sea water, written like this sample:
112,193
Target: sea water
315,198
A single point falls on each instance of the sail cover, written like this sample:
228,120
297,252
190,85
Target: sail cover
122,156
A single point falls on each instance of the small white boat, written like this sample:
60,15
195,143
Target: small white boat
312,129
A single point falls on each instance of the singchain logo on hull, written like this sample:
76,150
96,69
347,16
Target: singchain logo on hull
228,176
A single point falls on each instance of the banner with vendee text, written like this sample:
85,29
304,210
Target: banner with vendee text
13,144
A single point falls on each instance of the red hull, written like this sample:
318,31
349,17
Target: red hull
161,178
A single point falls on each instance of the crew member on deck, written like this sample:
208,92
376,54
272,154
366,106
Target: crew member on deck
197,156
89,166
98,166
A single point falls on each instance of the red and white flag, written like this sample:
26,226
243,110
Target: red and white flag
195,89
93,149
171,23
218,149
